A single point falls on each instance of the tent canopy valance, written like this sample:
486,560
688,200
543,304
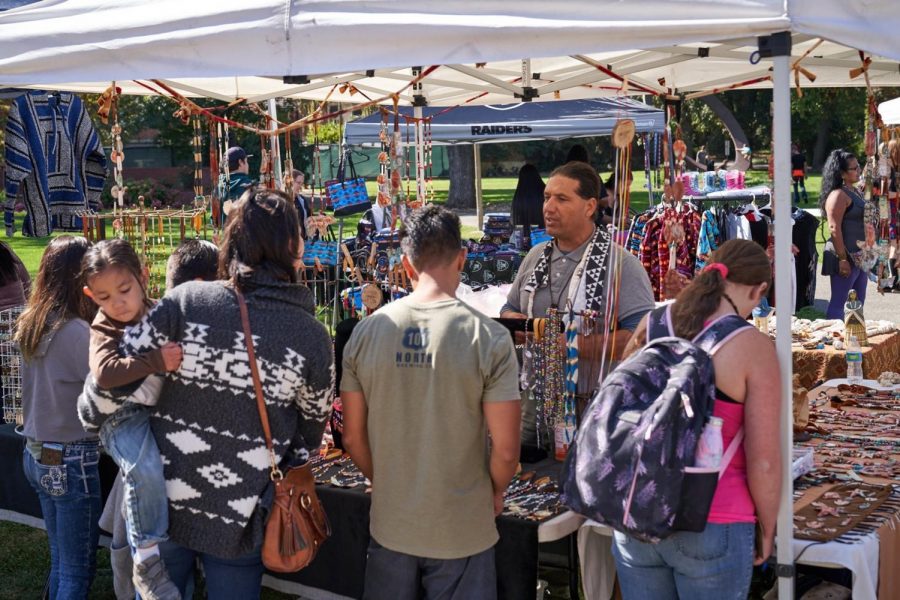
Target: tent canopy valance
519,122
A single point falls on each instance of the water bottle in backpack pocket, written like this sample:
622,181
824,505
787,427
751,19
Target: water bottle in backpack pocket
633,465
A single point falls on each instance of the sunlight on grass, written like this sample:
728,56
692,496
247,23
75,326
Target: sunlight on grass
497,193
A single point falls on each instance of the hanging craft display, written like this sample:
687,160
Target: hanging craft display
348,196
154,234
117,153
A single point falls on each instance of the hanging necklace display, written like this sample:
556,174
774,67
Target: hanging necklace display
551,410
411,204
564,430
197,145
288,176
117,154
397,158
429,160
384,185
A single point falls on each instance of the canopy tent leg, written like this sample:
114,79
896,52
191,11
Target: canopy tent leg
275,147
782,211
479,202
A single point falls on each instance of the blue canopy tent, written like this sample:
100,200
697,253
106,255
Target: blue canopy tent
520,122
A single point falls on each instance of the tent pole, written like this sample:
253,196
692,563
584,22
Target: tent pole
275,146
420,155
479,203
784,309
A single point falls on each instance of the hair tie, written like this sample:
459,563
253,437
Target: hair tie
721,268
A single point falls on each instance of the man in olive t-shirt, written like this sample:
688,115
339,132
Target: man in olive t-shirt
425,379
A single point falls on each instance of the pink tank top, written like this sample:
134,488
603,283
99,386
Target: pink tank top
732,502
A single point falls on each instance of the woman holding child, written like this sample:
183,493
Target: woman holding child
206,423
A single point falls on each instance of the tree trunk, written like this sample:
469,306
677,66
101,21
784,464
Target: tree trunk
461,158
820,150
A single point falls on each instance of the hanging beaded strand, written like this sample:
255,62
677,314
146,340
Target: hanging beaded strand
429,160
571,378
551,410
118,152
198,157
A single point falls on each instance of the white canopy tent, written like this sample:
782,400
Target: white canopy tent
221,49
246,46
890,111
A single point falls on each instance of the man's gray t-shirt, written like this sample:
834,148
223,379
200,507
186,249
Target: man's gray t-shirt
425,371
635,293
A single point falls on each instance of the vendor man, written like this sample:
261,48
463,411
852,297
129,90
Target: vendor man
572,269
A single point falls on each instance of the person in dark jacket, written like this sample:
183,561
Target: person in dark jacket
798,173
239,180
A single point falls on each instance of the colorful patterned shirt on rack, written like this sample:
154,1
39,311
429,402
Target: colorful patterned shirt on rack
710,238
654,249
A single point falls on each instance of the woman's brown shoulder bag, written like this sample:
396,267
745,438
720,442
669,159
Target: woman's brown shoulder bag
297,524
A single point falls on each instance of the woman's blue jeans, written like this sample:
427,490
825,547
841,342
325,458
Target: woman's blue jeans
716,564
70,502
226,579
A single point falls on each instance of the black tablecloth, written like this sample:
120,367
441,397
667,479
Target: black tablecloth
341,564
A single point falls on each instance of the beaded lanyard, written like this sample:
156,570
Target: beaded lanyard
571,378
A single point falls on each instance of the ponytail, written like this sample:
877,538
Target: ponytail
738,261
697,302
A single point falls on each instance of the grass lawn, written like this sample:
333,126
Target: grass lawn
25,562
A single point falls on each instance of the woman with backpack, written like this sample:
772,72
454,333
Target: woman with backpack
718,562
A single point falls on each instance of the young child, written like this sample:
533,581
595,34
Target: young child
114,279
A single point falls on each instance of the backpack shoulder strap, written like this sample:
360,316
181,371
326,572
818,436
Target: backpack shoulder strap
659,323
719,332
731,451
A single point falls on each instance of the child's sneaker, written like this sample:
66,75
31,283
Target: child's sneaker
151,580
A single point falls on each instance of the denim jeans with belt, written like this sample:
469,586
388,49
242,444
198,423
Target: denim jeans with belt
716,564
70,502
127,438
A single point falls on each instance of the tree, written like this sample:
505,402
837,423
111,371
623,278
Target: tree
462,176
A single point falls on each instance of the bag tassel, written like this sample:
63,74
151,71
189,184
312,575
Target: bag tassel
293,542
